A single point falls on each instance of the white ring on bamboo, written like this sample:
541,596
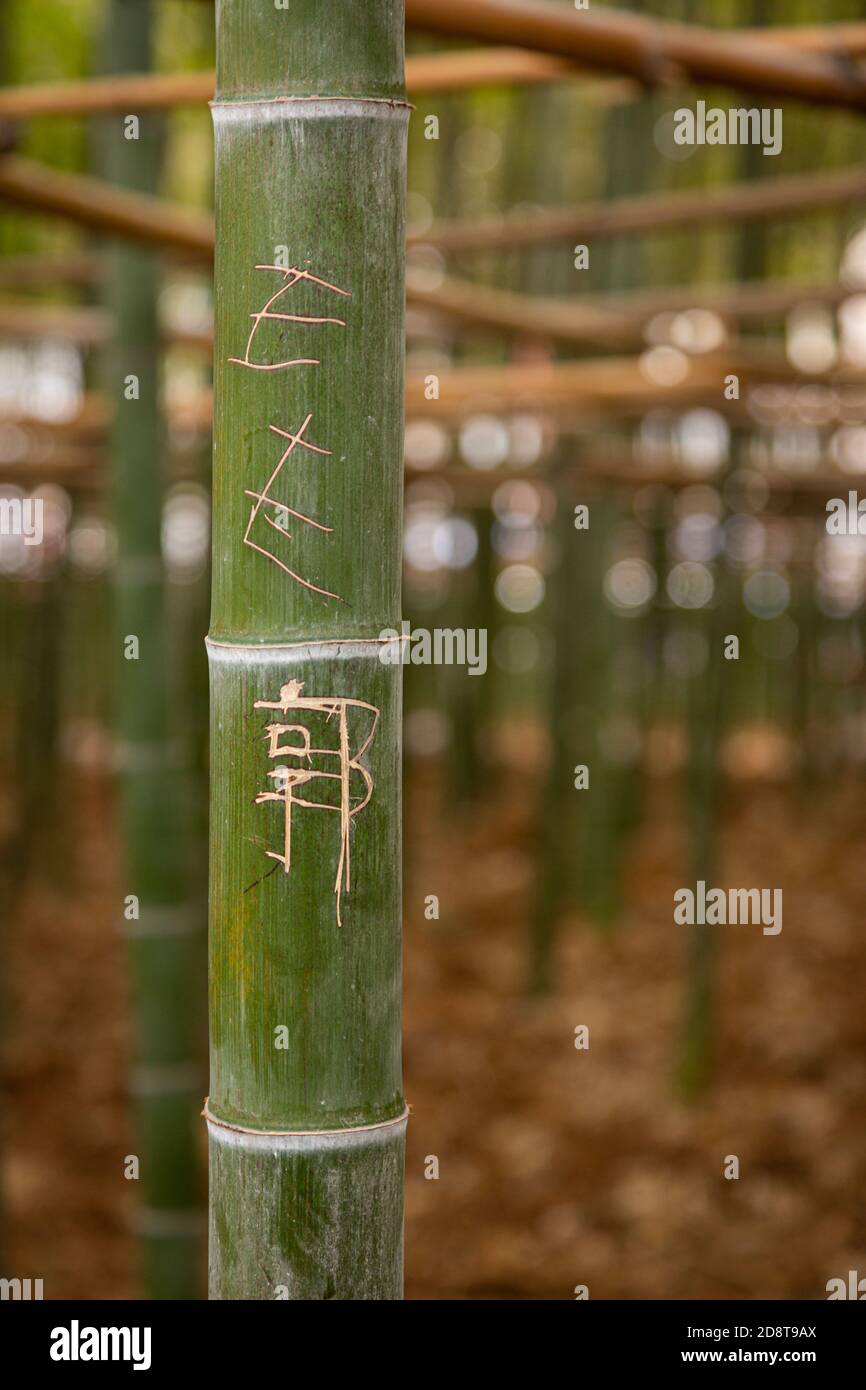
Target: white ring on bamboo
282,101
318,642
241,1131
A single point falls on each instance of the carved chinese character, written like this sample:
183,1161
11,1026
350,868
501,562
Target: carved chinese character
294,740
264,500
291,277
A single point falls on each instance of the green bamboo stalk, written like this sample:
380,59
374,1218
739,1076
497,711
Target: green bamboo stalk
162,936
607,809
612,810
541,116
306,1117
708,714
555,818
708,711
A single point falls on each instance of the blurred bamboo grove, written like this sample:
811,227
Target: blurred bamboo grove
635,383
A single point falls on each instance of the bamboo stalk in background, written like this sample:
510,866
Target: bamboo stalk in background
306,1117
425,73
161,937
612,807
555,815
548,270
708,709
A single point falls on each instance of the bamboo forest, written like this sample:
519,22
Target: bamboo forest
432,653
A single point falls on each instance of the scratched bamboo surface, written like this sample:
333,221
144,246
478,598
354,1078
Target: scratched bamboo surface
306,1109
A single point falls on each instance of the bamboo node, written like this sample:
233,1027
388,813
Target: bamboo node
211,1119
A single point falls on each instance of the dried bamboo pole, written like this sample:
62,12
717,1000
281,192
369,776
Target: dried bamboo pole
105,207
426,73
652,212
651,50
600,320
96,204
841,39
593,385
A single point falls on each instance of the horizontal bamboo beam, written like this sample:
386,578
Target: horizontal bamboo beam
631,470
71,467
75,465
601,385
611,385
614,320
87,425
100,206
593,385
426,73
652,51
757,199
464,69
740,302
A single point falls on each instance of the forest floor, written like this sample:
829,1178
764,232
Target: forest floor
557,1167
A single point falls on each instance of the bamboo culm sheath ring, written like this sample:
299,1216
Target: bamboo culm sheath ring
301,1133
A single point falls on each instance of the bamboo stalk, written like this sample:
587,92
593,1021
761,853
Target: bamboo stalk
162,939
600,384
611,320
306,1116
706,709
33,272
708,704
124,92
592,385
555,823
86,325
617,468
841,39
495,67
651,50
